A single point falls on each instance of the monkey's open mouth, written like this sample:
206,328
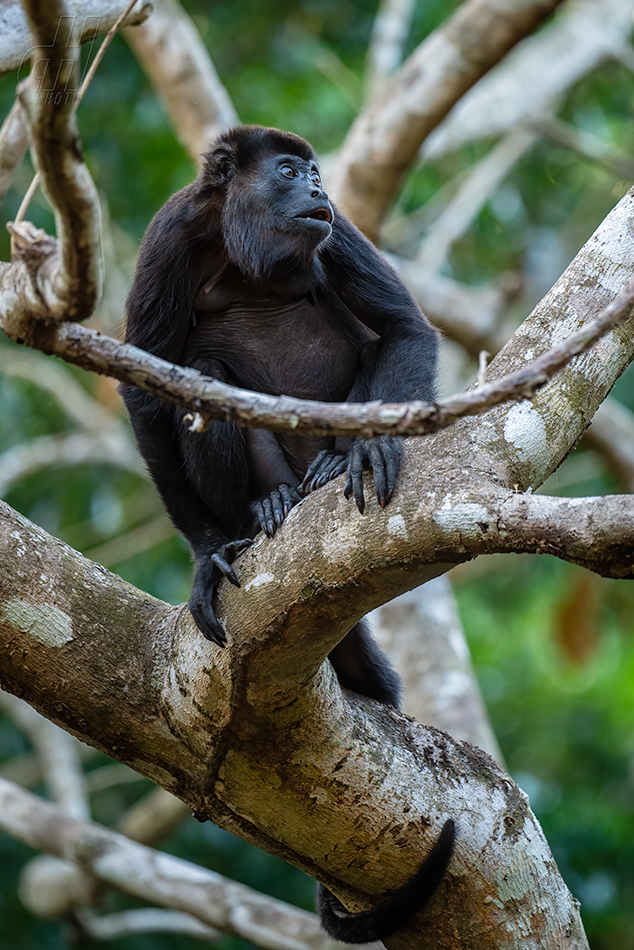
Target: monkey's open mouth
320,214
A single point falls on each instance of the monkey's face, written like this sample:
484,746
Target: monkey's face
276,211
293,186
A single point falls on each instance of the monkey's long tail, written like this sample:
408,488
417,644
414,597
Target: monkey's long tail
381,921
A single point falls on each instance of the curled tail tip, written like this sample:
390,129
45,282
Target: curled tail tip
380,922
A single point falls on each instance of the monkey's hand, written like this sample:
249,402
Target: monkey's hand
271,510
324,468
209,571
383,455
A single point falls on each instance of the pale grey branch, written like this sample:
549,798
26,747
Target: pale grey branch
160,878
91,18
14,141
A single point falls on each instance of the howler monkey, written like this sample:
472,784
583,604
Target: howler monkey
250,276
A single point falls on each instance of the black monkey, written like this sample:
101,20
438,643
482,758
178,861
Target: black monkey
251,277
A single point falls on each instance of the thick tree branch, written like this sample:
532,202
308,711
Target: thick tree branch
537,74
384,140
201,720
422,634
596,533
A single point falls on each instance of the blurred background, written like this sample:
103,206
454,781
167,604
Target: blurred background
498,206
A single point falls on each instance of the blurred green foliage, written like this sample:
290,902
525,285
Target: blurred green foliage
558,682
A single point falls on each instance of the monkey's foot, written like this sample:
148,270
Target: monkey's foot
209,571
271,510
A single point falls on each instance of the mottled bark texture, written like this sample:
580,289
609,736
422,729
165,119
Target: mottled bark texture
260,737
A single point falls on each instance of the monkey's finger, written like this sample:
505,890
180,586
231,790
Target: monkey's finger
267,519
226,568
277,506
334,468
393,458
377,461
233,548
290,497
318,478
354,476
313,469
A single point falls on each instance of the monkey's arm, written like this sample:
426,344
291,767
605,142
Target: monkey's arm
181,250
398,367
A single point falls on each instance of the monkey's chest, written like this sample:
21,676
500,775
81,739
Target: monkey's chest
297,348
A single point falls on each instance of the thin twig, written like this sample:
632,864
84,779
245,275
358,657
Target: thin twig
483,358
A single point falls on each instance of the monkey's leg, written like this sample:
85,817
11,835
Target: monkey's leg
361,665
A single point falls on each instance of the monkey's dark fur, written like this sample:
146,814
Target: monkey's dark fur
249,276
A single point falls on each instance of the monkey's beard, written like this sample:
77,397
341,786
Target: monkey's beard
268,244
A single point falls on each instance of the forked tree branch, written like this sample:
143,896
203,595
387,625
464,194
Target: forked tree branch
183,724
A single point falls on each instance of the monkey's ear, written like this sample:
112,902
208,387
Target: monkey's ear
220,165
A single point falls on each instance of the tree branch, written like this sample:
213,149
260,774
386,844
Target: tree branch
160,878
384,140
535,76
48,99
14,141
596,533
389,36
422,634
184,722
215,400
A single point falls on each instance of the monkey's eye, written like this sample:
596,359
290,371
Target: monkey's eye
288,171
314,177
